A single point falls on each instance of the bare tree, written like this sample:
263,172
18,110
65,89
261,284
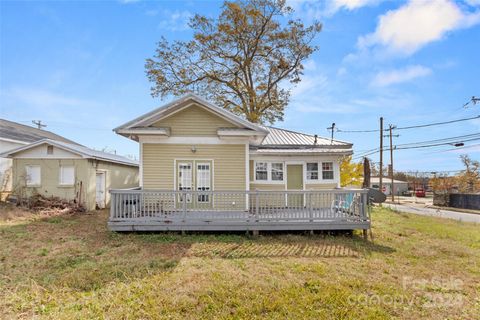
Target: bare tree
241,60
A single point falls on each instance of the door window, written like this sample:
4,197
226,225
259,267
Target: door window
203,181
185,180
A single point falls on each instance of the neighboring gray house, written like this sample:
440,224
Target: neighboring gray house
12,136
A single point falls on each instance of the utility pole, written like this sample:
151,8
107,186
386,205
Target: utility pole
333,130
38,123
391,162
381,156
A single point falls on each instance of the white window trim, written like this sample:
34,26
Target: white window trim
333,170
318,172
269,172
28,184
60,176
320,180
197,164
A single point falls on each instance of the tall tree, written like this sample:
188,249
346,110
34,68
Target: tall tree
241,60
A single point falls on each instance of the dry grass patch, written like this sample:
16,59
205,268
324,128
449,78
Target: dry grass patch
72,267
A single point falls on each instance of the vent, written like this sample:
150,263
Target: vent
49,149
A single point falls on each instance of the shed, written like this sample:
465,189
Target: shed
70,171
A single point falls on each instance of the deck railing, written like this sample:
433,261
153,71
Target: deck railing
248,207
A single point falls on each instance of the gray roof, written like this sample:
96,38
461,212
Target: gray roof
386,180
19,132
78,149
282,137
303,150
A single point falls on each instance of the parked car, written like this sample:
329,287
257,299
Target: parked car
407,193
420,192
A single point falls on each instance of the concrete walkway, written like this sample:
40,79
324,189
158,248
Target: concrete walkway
460,216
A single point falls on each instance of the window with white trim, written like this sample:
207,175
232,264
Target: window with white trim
327,170
277,171
203,181
261,171
33,175
185,180
312,171
67,175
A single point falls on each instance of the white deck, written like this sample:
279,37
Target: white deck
141,210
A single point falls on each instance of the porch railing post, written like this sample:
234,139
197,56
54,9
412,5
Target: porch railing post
310,206
184,204
113,204
257,201
365,205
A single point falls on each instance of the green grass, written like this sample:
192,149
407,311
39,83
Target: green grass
72,267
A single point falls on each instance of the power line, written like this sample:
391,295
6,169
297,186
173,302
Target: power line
437,123
415,147
472,135
433,145
412,127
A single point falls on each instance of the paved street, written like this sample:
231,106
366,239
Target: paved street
460,216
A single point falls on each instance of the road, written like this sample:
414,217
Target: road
460,216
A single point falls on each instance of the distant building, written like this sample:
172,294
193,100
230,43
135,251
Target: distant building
398,185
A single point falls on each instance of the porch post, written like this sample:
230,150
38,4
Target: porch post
256,204
184,204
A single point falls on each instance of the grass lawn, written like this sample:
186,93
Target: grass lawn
72,267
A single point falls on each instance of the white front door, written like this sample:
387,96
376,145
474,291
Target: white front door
100,193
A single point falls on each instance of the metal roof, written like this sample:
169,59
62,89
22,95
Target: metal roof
283,137
301,151
78,149
10,130
386,180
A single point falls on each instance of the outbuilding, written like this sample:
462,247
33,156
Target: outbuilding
399,186
70,171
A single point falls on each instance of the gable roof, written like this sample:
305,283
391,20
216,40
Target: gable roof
82,151
176,105
13,131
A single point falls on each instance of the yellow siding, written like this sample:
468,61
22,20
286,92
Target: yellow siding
323,186
193,121
50,171
228,164
270,187
118,176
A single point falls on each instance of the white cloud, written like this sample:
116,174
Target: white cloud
310,83
351,4
314,9
387,78
175,20
414,25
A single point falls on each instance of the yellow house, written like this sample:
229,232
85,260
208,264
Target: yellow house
205,168
190,144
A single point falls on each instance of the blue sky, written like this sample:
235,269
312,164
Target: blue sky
79,67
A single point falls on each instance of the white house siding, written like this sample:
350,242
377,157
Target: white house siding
6,167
